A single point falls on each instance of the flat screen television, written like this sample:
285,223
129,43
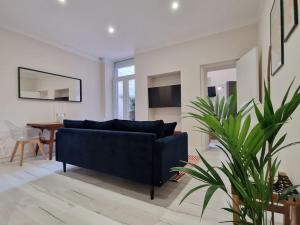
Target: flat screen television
211,91
166,96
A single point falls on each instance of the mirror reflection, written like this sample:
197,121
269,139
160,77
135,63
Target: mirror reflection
46,86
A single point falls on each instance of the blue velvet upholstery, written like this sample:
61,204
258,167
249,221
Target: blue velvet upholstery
94,125
155,127
169,129
138,156
73,124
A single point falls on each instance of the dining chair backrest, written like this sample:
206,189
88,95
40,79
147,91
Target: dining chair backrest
10,125
14,131
22,136
21,133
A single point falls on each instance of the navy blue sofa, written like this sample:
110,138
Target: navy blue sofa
139,151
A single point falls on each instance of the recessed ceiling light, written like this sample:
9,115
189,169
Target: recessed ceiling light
175,5
62,1
111,30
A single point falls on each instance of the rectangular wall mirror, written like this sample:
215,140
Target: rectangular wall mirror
34,84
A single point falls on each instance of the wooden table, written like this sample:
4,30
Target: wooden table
51,127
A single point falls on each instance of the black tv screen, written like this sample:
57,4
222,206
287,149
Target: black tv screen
211,91
167,96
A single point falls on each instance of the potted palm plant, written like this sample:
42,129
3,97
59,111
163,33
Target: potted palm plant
251,150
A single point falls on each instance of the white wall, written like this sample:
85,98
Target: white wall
280,82
18,50
188,59
219,77
108,88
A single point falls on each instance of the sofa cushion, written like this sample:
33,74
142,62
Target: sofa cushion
169,129
155,127
73,123
94,125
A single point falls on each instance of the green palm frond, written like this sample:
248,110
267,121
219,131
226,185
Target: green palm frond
250,166
220,108
279,117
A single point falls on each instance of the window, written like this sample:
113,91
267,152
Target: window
124,89
126,71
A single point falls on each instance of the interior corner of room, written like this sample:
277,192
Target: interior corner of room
111,84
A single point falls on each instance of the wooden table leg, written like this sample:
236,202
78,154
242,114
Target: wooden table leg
14,151
41,148
297,214
22,153
287,215
36,150
37,146
51,142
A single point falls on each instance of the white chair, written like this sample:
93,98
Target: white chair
23,136
3,139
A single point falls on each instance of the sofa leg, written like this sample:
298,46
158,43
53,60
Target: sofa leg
65,167
152,192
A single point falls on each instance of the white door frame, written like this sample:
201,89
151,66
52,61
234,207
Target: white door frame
204,69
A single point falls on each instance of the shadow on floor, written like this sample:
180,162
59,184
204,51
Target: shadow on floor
164,195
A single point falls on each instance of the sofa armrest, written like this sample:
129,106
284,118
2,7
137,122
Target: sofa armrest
171,151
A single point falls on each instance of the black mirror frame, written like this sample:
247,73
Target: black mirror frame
53,74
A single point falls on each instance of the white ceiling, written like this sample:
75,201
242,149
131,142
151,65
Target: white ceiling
141,25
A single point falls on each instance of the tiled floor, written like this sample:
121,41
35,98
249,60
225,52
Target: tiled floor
40,194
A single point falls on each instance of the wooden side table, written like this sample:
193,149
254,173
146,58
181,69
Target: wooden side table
51,127
282,207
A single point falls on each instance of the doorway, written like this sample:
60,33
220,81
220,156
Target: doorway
221,83
124,90
213,78
242,74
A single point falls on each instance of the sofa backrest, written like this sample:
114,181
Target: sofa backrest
95,125
74,124
155,127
